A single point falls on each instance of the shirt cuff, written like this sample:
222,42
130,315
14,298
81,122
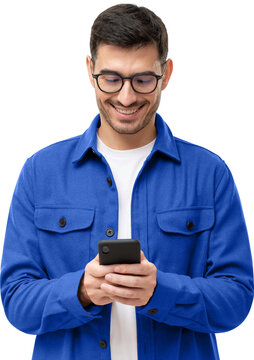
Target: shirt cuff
68,296
163,299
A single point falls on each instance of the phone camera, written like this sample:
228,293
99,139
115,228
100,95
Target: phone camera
105,249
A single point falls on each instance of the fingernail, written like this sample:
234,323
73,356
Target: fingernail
108,277
117,269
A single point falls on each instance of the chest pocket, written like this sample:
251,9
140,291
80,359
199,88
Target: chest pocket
184,237
63,220
186,221
64,238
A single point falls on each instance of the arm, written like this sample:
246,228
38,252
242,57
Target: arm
217,302
221,299
32,302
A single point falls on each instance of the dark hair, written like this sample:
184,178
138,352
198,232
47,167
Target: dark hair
127,25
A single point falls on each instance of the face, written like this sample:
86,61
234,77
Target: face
128,112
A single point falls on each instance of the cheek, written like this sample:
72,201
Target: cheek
154,99
158,97
99,98
102,97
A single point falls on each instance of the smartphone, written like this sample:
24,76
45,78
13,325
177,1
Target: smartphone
119,251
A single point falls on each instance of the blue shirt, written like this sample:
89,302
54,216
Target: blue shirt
186,212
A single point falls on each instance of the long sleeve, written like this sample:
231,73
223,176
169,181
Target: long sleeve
221,299
34,303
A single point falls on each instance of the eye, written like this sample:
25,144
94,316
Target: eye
110,79
144,80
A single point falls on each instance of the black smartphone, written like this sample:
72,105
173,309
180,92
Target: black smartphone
119,251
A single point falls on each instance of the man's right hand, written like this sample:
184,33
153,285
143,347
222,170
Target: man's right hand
89,287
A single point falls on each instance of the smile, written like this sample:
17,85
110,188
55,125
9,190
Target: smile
127,111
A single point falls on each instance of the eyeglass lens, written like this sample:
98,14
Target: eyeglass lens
141,83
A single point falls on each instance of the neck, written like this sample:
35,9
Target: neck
118,141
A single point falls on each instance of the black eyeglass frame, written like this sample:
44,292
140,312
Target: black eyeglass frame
158,77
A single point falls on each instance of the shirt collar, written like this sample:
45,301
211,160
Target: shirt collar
165,142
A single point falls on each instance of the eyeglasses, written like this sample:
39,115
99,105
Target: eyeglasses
142,83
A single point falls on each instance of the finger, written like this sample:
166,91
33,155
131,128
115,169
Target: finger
125,280
142,255
92,282
134,269
102,300
98,270
101,270
122,292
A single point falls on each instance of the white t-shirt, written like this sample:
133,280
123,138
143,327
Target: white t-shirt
125,166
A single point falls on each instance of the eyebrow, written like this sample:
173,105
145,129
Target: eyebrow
108,71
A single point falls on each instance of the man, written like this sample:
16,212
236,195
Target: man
126,177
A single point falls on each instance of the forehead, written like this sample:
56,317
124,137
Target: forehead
127,60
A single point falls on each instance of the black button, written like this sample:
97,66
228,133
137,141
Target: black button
109,181
62,222
152,311
190,225
110,232
103,344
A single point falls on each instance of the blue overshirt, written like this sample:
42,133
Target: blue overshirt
186,212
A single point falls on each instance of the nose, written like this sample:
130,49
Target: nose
127,95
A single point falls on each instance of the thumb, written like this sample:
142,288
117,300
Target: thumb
142,255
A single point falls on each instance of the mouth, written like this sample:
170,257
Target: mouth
127,112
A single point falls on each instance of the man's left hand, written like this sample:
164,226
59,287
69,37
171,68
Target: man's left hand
131,284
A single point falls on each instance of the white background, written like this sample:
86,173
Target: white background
45,97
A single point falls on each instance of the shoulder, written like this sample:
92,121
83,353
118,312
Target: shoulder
200,158
57,150
188,149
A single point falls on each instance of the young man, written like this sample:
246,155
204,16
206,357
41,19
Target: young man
126,177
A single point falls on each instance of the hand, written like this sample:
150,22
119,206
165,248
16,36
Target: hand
90,285
131,284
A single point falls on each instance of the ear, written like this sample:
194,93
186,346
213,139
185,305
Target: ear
89,65
167,73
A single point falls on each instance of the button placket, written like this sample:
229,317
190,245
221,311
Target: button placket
109,178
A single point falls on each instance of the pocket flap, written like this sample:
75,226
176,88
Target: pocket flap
186,221
62,220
